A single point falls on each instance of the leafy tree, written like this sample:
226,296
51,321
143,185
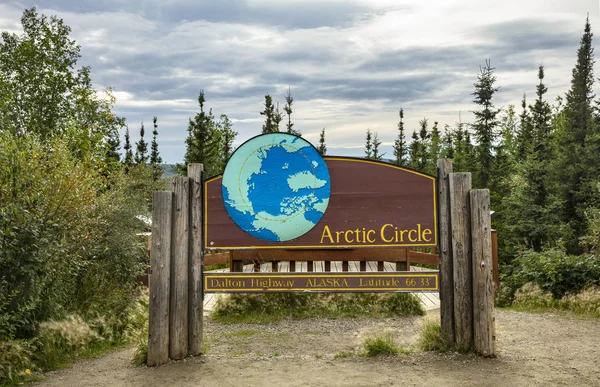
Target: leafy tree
43,92
155,159
369,145
141,148
289,100
400,147
485,125
272,116
322,147
128,151
376,155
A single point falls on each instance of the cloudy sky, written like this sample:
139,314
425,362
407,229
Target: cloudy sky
350,64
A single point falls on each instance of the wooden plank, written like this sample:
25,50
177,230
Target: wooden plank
178,314
460,185
483,283
363,266
445,251
380,266
274,267
216,259
160,264
309,266
365,254
195,289
327,265
495,268
344,265
420,257
292,266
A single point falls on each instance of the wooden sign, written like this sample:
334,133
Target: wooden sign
320,282
278,192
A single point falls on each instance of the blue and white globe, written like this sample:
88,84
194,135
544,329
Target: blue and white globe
276,187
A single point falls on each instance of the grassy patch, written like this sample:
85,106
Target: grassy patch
343,355
382,346
430,337
530,298
268,308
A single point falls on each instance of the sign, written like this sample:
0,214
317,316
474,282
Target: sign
321,282
278,192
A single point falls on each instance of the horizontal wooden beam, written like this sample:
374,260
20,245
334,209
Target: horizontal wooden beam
217,259
391,255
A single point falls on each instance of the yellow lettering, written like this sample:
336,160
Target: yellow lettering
426,232
346,236
402,232
411,238
369,233
326,233
383,233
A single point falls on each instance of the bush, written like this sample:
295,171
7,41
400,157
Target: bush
553,270
274,306
381,346
532,298
430,337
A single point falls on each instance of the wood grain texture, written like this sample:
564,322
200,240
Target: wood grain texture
444,168
160,256
179,304
484,337
460,220
195,289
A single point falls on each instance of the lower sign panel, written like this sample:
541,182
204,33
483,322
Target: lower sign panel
321,282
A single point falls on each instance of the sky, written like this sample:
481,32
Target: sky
350,64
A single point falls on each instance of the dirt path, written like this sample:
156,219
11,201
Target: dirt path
544,349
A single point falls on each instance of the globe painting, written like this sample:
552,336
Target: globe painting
276,187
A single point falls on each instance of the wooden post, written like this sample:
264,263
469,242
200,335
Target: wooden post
310,266
196,296
344,265
444,168
495,268
274,267
403,265
483,283
328,266
363,265
160,265
460,211
178,327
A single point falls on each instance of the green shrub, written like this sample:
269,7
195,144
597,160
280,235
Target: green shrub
15,359
531,297
381,346
264,308
430,337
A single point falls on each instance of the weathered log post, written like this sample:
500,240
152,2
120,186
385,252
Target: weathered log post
483,282
460,219
444,168
160,264
178,326
196,296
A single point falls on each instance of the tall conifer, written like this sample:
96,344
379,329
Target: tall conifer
400,147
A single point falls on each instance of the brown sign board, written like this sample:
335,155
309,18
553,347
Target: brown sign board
371,204
321,282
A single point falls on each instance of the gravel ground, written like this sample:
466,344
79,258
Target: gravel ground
534,349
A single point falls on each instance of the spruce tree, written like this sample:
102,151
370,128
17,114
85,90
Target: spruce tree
578,159
435,149
128,151
155,159
413,151
376,155
525,134
485,125
227,135
369,145
289,100
400,147
322,147
141,148
272,117
113,144
203,143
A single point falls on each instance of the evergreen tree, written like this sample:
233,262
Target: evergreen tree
272,117
414,150
155,159
577,164
463,149
525,135
485,125
289,100
376,143
435,149
322,147
203,143
113,144
141,148
227,135
447,143
400,147
369,145
128,151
